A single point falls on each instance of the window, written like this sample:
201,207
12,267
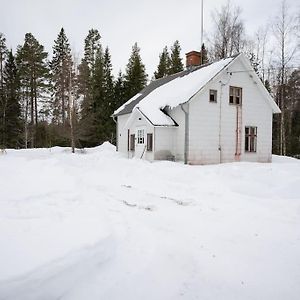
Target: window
149,141
212,95
235,95
132,142
250,139
140,136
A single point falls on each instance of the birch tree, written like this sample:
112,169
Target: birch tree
284,30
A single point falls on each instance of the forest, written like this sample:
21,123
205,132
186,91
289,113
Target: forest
58,99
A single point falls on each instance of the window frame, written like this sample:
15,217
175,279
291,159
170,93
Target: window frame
213,93
250,139
141,136
236,93
150,144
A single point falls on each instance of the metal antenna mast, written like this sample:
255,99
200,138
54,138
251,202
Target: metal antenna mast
201,31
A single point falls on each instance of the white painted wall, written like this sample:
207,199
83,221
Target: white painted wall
164,146
122,133
208,121
136,121
205,120
178,116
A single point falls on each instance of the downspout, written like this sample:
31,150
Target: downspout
220,122
186,132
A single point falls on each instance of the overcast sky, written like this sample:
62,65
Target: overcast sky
153,24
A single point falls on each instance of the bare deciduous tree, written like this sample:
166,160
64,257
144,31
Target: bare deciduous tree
229,35
285,30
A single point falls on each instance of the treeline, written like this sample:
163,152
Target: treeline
63,101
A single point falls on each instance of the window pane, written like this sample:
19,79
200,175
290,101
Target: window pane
246,143
213,95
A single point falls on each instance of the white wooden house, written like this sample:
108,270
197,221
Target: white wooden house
213,113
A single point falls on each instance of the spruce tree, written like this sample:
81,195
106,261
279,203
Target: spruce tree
119,91
33,74
204,55
91,126
176,60
90,81
135,77
108,101
163,67
10,117
61,66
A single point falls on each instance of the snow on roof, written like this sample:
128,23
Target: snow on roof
126,103
177,91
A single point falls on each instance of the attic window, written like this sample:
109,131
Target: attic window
212,95
235,95
250,139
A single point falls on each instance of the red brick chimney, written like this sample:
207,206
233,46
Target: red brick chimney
193,58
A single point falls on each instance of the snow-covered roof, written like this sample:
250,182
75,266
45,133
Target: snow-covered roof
177,89
171,91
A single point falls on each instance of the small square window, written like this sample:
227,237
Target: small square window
212,95
235,95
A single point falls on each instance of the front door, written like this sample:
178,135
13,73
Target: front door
140,146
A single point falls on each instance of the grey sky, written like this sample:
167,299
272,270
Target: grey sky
153,24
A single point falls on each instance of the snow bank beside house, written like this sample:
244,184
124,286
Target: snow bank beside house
100,226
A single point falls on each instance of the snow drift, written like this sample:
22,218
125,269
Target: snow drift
100,226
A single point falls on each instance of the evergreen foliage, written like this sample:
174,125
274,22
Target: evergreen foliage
163,68
33,74
61,66
176,64
119,90
204,55
10,116
135,77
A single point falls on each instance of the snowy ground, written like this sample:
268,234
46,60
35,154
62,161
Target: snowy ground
100,226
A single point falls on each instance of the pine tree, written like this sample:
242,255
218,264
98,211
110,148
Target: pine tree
61,65
135,77
91,47
176,60
10,117
34,73
163,67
